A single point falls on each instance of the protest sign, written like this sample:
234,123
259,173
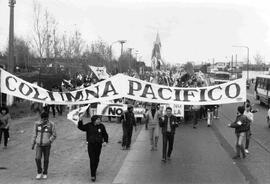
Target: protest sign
177,109
117,110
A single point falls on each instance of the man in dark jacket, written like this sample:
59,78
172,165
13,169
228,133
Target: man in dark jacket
96,136
168,129
240,125
128,121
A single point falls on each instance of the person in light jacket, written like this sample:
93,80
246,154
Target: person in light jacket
44,135
96,136
153,117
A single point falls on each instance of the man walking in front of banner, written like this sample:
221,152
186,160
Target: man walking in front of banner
153,117
128,121
43,136
168,126
241,126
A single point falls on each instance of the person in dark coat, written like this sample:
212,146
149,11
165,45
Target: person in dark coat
128,121
168,126
96,136
241,126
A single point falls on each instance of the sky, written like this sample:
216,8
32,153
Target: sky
190,30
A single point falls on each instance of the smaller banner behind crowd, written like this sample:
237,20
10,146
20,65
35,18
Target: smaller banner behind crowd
121,85
117,110
177,109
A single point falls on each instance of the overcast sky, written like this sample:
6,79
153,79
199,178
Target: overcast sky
190,30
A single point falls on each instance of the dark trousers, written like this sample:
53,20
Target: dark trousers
6,135
127,134
168,138
196,114
45,151
248,135
94,150
59,109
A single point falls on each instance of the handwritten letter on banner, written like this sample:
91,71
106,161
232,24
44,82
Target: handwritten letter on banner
121,85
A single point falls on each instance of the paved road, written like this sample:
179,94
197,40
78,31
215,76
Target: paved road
203,155
198,157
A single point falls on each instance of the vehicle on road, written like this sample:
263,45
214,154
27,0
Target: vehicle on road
262,89
220,77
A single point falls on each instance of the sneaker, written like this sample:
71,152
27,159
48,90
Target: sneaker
93,178
124,148
194,127
208,125
168,158
38,177
163,160
44,176
246,151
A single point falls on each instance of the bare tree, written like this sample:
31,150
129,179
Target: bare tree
45,33
258,59
72,45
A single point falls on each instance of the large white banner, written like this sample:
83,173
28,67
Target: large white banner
121,85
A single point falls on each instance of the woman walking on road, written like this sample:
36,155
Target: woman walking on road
96,136
4,125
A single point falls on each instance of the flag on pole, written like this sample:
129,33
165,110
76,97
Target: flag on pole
75,114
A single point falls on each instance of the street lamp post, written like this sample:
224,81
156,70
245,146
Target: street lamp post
247,57
11,37
118,41
122,43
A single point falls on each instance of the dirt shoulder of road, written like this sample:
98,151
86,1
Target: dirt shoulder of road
69,161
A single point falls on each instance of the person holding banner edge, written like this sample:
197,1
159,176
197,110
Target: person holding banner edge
97,137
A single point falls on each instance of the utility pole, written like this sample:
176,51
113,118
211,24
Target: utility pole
11,37
130,54
247,57
10,64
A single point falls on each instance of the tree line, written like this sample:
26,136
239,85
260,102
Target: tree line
49,45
